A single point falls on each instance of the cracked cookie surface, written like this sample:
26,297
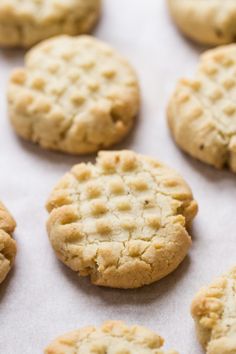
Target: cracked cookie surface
75,94
214,312
7,244
208,22
121,221
202,111
113,337
26,22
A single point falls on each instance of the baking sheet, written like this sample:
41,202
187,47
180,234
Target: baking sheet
41,298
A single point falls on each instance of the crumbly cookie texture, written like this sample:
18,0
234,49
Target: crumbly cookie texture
202,111
26,22
121,221
113,337
207,22
75,94
7,244
214,311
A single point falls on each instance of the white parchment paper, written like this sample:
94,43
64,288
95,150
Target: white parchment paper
41,298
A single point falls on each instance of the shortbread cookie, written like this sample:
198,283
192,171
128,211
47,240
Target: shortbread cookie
202,111
113,337
121,221
26,22
206,21
214,311
76,94
7,244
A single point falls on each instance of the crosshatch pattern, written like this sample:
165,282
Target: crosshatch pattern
124,216
202,111
70,85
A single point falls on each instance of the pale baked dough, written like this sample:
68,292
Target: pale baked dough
26,22
202,111
121,221
75,94
7,244
206,21
113,337
214,311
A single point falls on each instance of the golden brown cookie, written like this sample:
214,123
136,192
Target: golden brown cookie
75,94
202,111
121,221
23,23
113,337
7,244
214,312
209,22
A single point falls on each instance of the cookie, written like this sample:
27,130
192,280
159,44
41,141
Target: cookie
75,94
7,244
113,337
121,221
23,23
214,311
207,22
202,111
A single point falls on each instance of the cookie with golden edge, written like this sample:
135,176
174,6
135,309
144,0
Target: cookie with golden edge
214,312
122,221
207,22
75,94
113,337
7,244
24,23
202,111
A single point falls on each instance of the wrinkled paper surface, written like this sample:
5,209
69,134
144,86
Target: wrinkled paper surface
41,298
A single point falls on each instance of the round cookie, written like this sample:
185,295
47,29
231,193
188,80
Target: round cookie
214,312
202,111
75,94
26,22
7,244
207,22
121,221
113,337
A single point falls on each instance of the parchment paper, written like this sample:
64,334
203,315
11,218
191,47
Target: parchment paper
41,298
